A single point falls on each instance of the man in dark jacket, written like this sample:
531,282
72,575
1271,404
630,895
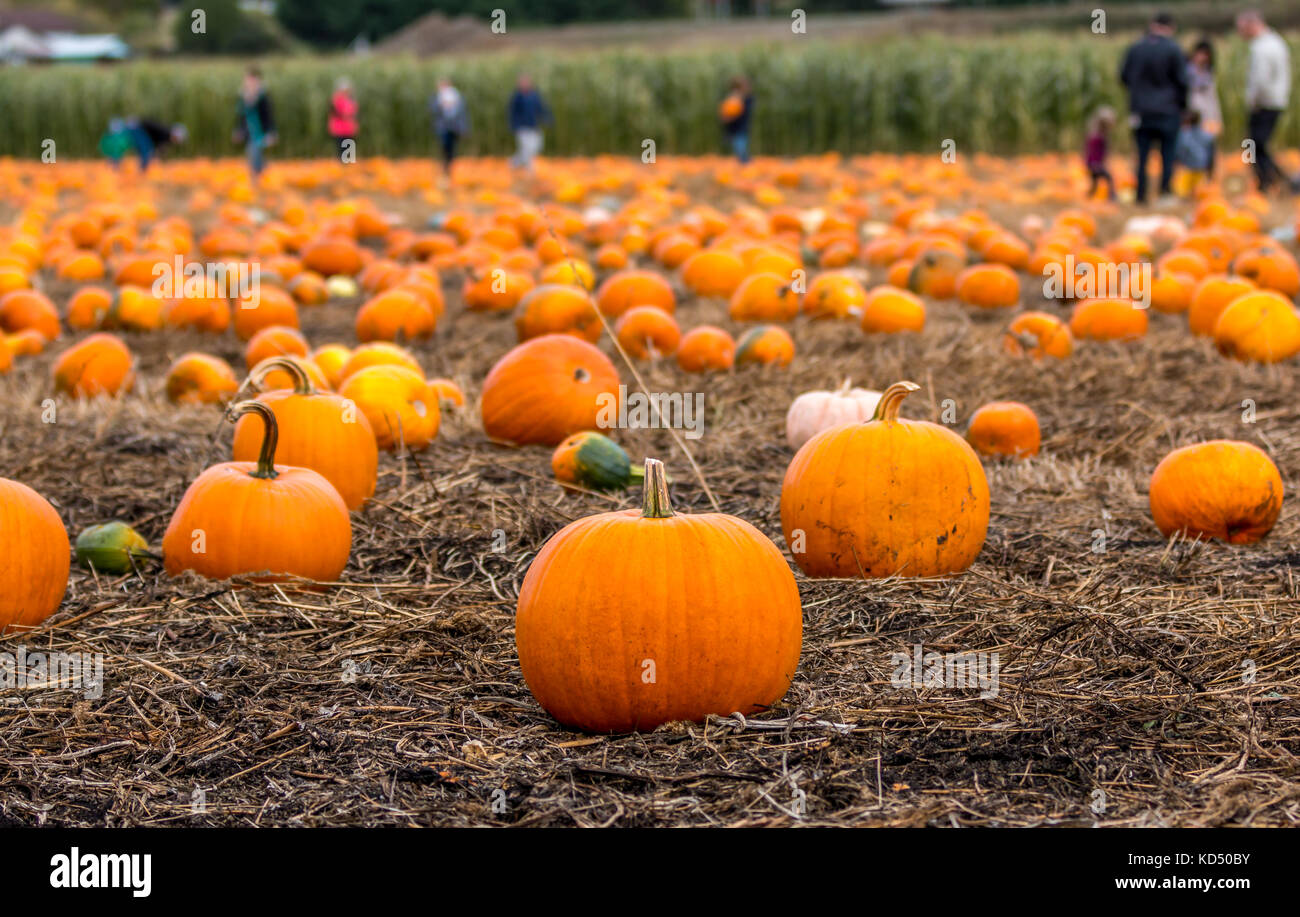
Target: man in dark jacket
143,136
1155,73
528,115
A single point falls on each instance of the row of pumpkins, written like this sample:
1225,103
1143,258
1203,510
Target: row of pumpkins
872,497
867,492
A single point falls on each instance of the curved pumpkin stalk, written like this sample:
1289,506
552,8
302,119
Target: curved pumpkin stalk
892,400
301,381
270,439
655,502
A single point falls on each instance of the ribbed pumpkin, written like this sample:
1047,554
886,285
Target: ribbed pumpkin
765,344
593,461
545,389
628,620
1108,320
889,310
630,288
1004,428
99,365
886,497
35,562
642,330
1260,327
200,378
317,430
813,412
242,517
1039,335
1220,489
988,286
554,308
399,404
706,348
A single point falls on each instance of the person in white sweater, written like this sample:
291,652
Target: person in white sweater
1268,90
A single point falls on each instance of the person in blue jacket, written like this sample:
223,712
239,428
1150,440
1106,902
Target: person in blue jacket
734,113
528,116
143,136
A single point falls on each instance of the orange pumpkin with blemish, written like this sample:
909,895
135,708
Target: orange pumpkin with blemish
1220,489
99,365
547,388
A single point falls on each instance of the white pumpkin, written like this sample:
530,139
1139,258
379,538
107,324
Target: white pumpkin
813,412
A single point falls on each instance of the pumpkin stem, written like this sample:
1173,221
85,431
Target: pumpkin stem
271,438
301,381
844,389
655,503
892,400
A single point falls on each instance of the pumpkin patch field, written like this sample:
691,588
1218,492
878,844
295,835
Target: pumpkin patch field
646,494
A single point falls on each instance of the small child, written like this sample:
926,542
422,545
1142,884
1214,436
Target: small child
1095,150
1194,151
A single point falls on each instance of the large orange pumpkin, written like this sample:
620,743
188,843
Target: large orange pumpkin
34,567
1220,489
545,389
886,497
627,620
318,430
239,518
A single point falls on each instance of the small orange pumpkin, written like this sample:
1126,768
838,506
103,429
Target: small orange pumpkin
642,330
765,344
1039,335
401,408
889,310
557,309
1108,320
200,378
317,430
1221,489
239,518
706,348
1004,428
99,365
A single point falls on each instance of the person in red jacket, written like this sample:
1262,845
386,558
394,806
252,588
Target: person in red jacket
343,118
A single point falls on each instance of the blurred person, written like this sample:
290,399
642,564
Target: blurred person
1268,90
1096,148
734,114
528,116
143,136
1203,92
450,120
1155,74
344,110
254,120
1195,152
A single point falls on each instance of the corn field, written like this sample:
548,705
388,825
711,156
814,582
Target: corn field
996,95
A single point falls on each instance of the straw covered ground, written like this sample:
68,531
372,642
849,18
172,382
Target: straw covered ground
1141,683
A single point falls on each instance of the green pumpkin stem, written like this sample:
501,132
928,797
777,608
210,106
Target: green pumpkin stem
892,400
655,503
270,439
301,381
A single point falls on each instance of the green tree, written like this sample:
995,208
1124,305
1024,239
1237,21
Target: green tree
219,27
